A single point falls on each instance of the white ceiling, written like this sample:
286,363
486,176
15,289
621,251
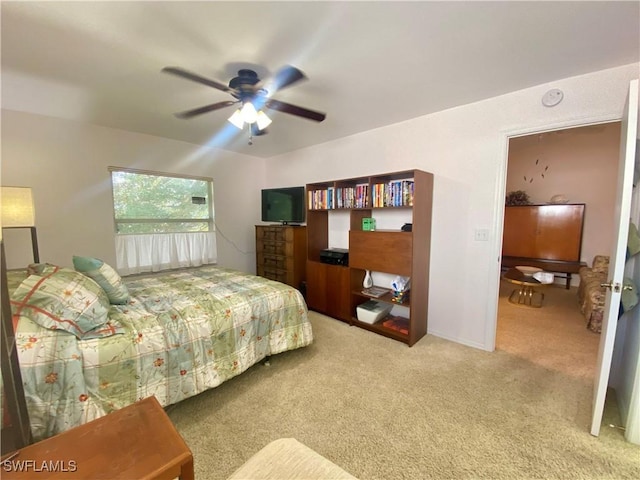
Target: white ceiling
369,64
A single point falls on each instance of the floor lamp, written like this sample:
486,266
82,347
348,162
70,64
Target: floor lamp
16,430
18,212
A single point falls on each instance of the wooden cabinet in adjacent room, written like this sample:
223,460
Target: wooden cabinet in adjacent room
281,253
548,232
544,236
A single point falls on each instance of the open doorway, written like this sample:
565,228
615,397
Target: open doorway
580,165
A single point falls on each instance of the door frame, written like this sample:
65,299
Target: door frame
499,207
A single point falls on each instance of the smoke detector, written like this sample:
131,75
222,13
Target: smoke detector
552,98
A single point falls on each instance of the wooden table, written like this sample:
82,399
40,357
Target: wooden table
136,442
526,294
555,266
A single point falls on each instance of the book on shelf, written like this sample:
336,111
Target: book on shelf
352,196
375,292
321,199
400,324
396,193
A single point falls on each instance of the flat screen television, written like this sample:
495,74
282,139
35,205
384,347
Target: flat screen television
283,205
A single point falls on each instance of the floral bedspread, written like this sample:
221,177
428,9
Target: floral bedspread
185,332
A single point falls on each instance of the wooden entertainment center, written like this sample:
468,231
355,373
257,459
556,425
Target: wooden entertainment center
336,290
545,236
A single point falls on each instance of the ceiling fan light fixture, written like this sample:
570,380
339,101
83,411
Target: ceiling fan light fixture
249,113
262,120
236,119
246,89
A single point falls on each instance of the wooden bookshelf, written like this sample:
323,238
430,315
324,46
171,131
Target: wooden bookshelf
388,251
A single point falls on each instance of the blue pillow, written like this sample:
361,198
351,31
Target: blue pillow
105,276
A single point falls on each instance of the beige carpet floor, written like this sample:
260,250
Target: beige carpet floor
382,410
553,336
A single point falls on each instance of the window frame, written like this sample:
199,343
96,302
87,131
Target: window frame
210,221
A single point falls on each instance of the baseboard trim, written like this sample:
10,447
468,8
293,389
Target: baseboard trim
462,341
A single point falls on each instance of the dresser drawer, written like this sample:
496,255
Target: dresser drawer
275,274
275,262
273,247
276,248
275,234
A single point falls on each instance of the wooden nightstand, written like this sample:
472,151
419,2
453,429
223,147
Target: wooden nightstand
136,442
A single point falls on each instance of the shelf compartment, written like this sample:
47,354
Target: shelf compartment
392,193
386,298
378,292
379,328
356,218
395,323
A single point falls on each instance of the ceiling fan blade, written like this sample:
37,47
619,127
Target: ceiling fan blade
205,109
295,110
197,78
286,76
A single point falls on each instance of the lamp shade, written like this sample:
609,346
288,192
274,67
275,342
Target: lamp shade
236,119
249,113
263,120
17,207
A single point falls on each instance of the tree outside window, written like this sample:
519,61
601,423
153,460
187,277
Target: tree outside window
148,202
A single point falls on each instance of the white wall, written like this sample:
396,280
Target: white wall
466,149
66,164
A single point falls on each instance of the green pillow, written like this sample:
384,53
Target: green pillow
105,276
64,300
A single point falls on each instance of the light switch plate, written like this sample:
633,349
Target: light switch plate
481,235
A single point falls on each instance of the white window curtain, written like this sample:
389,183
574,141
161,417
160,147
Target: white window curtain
162,251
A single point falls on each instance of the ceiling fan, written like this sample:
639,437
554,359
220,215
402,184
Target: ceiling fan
251,96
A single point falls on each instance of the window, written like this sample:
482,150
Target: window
162,221
145,202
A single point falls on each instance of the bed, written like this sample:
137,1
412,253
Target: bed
175,335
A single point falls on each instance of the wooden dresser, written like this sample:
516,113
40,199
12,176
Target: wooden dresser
281,252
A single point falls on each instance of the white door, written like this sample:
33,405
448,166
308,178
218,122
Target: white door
618,255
